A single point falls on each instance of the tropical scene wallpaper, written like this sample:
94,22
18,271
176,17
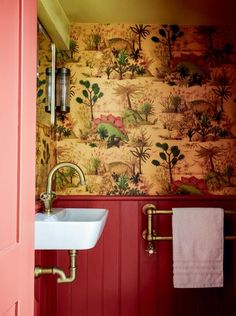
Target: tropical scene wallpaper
152,110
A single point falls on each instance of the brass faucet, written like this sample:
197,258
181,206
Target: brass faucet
48,196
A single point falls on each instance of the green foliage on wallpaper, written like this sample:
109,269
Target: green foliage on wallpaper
170,156
91,95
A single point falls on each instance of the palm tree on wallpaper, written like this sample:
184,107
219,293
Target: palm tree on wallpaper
142,144
125,92
209,154
223,90
214,179
74,48
142,32
223,93
168,34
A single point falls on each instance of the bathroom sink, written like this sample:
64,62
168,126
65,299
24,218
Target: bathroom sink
69,228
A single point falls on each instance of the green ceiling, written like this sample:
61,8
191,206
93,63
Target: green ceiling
150,11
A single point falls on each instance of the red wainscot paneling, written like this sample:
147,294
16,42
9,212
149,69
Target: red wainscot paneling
46,286
109,277
118,278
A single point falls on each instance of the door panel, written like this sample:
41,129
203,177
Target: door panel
17,123
13,311
9,121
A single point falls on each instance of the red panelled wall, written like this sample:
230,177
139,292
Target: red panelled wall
118,278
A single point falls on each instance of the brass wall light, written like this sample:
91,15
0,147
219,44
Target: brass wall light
57,91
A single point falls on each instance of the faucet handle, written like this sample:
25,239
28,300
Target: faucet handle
45,196
47,199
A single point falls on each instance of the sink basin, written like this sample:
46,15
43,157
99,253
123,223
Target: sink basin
69,228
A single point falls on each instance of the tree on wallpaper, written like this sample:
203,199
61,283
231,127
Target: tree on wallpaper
125,64
93,41
203,126
208,32
126,92
74,48
209,154
91,95
215,54
168,34
141,149
214,178
173,103
223,92
147,109
187,127
169,156
142,32
135,54
108,70
121,64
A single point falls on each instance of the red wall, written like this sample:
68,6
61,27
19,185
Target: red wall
118,278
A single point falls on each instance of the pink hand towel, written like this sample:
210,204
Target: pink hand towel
198,242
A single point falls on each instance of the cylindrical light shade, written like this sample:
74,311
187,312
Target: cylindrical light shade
63,90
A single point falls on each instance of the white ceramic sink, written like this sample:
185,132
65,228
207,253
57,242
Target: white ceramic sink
69,228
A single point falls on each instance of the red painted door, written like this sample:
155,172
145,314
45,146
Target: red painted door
17,129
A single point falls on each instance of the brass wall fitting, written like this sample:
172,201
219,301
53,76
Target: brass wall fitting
150,234
62,278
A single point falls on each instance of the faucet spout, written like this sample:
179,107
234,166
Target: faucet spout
48,196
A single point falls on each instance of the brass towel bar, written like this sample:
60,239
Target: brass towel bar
150,234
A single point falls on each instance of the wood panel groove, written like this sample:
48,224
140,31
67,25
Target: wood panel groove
102,279
119,259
